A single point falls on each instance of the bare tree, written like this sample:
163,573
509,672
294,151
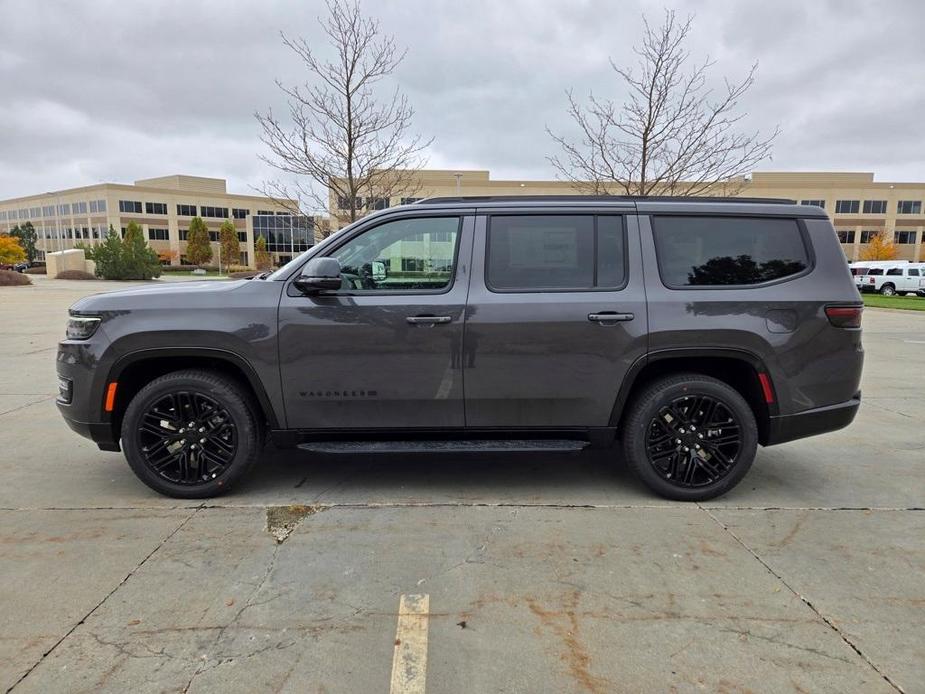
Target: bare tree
672,136
343,139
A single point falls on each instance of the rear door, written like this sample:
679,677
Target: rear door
555,318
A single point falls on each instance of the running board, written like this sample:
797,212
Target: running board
450,446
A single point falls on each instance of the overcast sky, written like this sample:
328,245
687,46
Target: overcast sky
114,90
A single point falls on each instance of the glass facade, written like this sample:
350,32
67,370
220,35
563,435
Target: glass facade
285,233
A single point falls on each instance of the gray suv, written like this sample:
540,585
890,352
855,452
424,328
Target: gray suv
684,332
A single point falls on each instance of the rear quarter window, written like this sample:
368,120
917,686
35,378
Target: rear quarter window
700,251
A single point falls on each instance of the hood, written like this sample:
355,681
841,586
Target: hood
159,295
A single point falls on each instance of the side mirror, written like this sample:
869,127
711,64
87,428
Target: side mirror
319,274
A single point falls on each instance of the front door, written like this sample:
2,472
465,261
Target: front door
556,317
384,350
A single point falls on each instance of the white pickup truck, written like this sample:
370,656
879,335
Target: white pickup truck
890,279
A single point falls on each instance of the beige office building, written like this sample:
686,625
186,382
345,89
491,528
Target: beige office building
858,206
163,207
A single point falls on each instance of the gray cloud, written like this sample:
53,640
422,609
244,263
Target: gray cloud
110,90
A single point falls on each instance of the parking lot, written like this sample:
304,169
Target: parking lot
472,573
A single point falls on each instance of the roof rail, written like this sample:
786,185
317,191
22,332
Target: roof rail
599,198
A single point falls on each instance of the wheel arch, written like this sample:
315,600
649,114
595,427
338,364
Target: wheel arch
737,368
134,370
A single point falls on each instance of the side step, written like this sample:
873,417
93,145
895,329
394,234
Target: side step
450,446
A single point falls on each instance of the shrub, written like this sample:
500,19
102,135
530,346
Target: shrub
124,259
74,275
9,278
37,270
139,259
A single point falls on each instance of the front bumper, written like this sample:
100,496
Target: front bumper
101,433
819,420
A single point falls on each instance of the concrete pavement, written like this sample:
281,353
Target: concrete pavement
553,573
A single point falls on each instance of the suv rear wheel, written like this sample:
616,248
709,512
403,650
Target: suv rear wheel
190,434
888,290
690,437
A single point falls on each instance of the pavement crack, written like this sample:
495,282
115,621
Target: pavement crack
828,622
105,598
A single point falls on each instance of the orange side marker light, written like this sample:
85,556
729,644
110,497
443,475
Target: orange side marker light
110,397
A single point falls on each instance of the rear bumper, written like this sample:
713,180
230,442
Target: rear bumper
819,420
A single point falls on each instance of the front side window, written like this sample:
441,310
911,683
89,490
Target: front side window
724,251
405,255
564,252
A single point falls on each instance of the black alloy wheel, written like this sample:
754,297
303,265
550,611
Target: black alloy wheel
689,437
191,434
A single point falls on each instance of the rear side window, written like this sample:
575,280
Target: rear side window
875,271
727,251
895,271
537,252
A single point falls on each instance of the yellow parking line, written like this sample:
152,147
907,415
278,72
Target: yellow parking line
409,661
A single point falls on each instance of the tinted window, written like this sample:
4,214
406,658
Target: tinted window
705,251
895,271
875,271
406,254
913,272
555,252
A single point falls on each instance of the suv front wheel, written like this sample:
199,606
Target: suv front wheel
690,437
190,434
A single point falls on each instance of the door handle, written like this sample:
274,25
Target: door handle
428,320
610,317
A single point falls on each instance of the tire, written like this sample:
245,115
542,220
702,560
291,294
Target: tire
223,418
888,290
667,470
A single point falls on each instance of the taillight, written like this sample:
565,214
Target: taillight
844,316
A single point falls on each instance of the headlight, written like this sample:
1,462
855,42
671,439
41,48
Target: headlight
81,327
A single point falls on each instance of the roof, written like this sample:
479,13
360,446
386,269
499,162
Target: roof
600,198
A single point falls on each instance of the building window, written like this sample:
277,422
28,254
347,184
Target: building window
80,208
242,258
186,210
36,212
264,212
2,215
409,201
184,234
845,235
377,203
130,206
158,235
242,237
239,213
909,207
847,206
155,208
904,237
868,234
213,236
214,212
875,207
64,210
285,233
343,202
97,206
